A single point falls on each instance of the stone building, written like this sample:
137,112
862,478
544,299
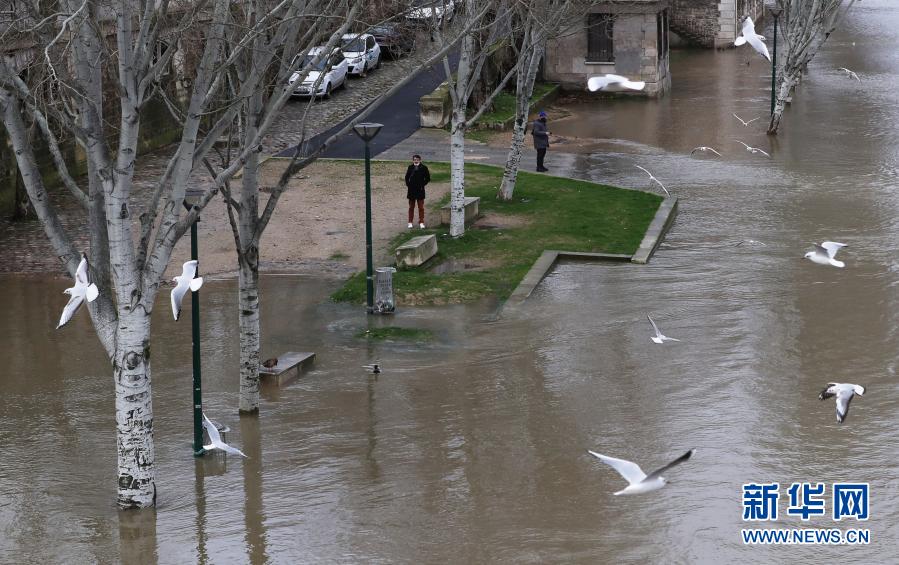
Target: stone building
712,23
627,38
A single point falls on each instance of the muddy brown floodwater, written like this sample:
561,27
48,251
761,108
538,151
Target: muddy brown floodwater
471,449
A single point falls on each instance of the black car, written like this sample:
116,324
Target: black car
396,40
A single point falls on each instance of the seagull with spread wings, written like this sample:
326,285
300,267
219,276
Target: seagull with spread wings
844,393
655,180
742,121
638,481
659,337
756,41
184,282
850,74
215,439
753,150
614,83
83,289
703,148
825,254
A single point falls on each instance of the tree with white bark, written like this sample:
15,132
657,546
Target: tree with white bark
247,223
491,27
540,20
805,25
94,68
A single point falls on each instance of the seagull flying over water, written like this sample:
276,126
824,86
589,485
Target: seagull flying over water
745,122
755,40
613,83
83,288
849,73
659,337
655,180
183,282
753,149
844,393
639,481
824,254
703,148
215,440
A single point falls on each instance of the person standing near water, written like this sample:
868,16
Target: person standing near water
541,140
417,177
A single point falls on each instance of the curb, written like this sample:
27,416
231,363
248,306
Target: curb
659,226
545,263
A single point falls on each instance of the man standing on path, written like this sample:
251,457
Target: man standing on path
541,140
417,177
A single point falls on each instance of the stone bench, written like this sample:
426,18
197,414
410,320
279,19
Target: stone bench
289,366
472,203
416,251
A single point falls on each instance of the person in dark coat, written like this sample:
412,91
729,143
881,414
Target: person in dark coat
417,177
541,140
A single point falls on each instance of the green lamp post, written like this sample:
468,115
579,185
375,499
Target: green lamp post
776,11
367,131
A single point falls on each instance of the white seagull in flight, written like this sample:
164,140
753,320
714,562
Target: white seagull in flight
185,281
215,440
825,254
659,337
753,149
703,148
755,40
744,122
655,180
614,83
639,482
844,393
849,73
83,288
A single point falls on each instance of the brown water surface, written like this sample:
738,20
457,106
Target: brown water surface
471,449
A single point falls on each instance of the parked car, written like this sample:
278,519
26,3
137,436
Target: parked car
426,12
329,74
394,39
362,52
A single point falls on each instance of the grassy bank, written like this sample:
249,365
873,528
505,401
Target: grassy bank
492,257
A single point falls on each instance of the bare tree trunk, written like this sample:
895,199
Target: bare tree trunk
805,25
523,92
457,174
248,284
134,412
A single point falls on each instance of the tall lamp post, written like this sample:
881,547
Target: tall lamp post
776,11
195,334
367,131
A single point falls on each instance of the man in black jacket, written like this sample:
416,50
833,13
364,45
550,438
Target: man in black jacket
417,176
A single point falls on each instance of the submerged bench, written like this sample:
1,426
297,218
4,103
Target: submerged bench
289,366
416,251
472,203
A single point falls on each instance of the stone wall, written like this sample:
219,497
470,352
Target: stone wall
712,23
635,45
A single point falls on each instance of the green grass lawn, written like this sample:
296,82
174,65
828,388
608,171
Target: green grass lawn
504,104
546,213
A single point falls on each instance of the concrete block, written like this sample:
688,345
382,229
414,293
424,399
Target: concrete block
289,367
472,203
435,109
416,251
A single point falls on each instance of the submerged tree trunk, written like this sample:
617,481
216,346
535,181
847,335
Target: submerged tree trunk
457,169
248,260
134,412
784,88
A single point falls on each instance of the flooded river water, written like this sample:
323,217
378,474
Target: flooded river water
471,449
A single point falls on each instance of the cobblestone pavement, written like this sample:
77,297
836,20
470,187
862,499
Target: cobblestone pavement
344,102
24,245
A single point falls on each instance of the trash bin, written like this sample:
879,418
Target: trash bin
384,303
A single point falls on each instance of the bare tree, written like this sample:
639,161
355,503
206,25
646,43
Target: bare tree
493,30
247,223
541,19
805,26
